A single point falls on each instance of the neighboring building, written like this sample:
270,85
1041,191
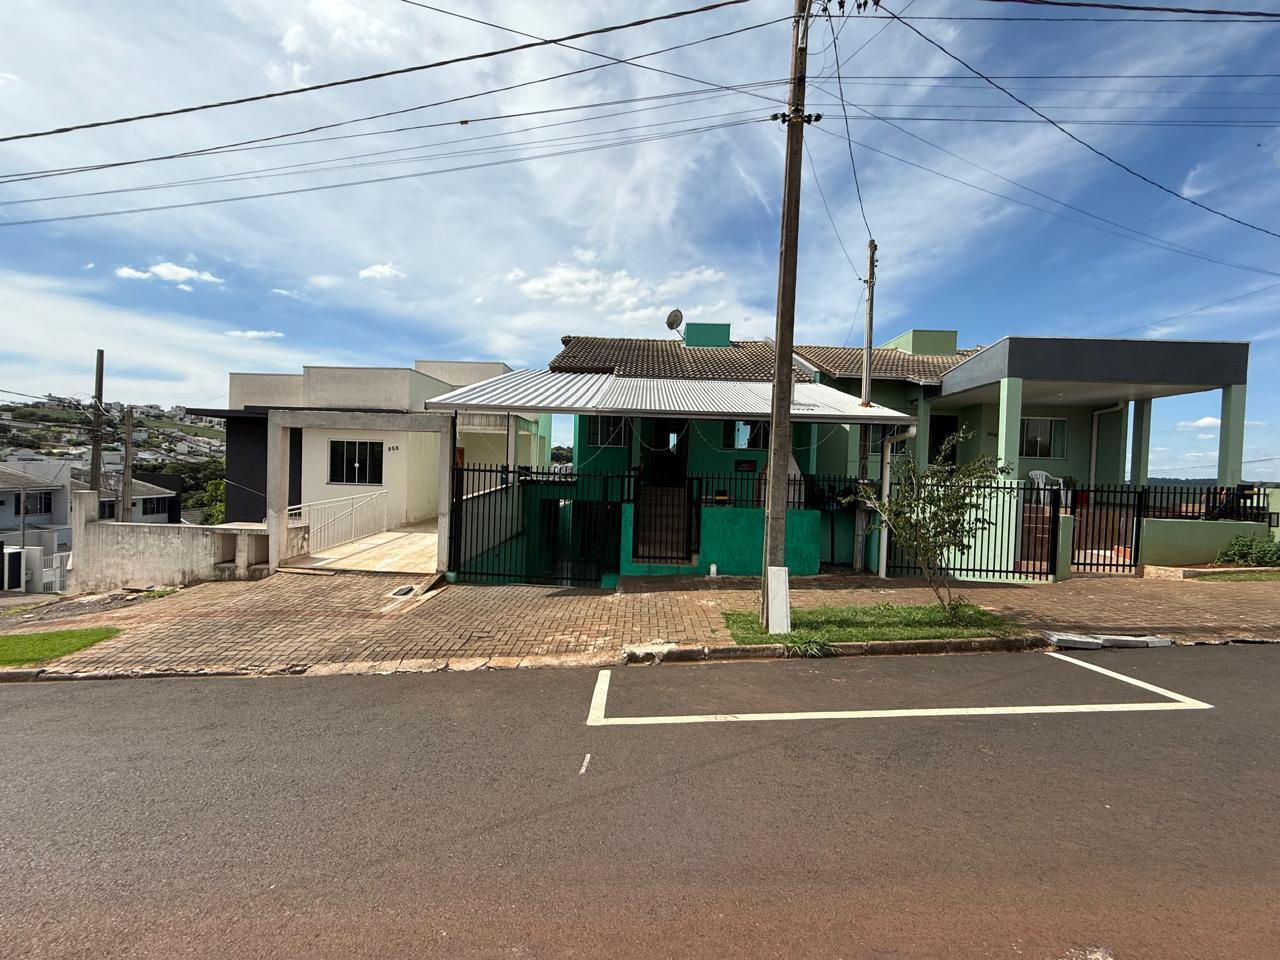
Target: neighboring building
1060,405
332,463
149,503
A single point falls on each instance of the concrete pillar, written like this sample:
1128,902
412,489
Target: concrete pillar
277,490
1231,436
1010,428
447,446
1140,455
511,440
920,446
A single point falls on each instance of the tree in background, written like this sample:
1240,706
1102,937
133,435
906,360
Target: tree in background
931,511
562,454
215,502
196,476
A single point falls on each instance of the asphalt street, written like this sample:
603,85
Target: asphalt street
458,815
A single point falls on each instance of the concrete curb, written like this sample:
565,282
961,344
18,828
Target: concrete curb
670,653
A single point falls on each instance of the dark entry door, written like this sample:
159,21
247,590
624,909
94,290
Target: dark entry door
941,426
664,457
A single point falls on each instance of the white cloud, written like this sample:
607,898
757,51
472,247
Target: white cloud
477,301
1200,424
585,255
1255,423
324,281
291,294
168,271
254,334
382,271
89,266
9,78
185,286
1190,188
1206,436
514,275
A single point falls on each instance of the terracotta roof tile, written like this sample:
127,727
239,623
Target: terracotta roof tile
886,363
667,359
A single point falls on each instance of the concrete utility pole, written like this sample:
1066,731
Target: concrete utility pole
775,525
864,433
124,503
95,454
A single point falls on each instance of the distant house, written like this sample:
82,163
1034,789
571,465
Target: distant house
333,462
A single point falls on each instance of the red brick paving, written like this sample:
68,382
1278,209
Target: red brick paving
348,618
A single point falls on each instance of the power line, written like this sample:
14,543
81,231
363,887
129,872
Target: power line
355,183
1136,8
813,169
1020,19
400,71
314,166
849,138
1188,313
271,141
1084,143
1062,76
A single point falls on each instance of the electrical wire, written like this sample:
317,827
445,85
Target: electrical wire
1165,244
399,71
295,169
262,142
849,134
813,170
1084,143
356,183
1188,313
1136,8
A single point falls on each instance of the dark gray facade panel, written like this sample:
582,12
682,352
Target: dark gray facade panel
1210,363
247,469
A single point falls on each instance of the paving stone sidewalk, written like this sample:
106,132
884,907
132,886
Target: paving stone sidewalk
351,622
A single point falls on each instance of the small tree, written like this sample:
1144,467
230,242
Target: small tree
215,503
931,511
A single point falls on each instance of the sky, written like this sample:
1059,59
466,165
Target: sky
500,261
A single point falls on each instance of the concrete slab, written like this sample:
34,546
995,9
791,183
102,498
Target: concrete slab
410,549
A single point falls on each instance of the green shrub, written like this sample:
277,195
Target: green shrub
1251,552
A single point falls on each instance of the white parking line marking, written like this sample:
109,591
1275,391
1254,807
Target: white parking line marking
585,760
599,699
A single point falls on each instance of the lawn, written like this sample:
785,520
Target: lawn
822,626
26,648
1241,576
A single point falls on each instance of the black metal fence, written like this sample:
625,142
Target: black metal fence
534,525
1017,538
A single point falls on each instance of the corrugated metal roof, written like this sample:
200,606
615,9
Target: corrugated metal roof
544,391
11,479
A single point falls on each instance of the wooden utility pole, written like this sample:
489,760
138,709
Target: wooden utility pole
124,504
864,432
775,525
95,440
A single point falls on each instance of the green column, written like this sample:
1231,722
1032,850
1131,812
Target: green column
1010,430
1141,452
1231,436
922,428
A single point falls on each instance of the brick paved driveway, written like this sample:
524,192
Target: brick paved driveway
351,619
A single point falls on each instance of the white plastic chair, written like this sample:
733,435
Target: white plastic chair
1043,482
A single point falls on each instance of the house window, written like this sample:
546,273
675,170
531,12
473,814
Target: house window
154,505
33,503
1043,438
355,461
106,509
746,435
608,432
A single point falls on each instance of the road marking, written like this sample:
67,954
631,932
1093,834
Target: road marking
585,761
599,700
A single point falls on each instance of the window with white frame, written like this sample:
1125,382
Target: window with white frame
355,461
1043,438
608,432
745,435
154,505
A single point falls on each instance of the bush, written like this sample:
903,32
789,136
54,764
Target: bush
1251,552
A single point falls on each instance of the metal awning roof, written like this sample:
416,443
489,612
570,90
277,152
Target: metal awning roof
543,391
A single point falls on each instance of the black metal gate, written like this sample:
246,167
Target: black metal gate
1017,542
534,525
1108,527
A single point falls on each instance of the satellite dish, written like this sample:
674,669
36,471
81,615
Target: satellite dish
674,319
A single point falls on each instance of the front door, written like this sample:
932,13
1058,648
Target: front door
664,455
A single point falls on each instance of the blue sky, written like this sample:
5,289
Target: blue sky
499,263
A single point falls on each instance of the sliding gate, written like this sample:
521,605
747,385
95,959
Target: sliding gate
534,525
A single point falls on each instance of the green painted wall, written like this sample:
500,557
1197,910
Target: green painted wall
1176,543
932,342
589,459
733,539
708,455
1066,534
1079,427
1113,434
706,334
